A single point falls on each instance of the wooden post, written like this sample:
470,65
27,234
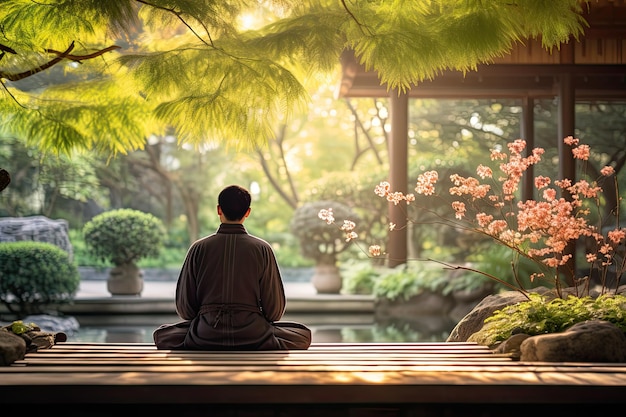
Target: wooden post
528,134
567,125
398,176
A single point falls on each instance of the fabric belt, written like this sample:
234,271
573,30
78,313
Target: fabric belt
228,309
206,308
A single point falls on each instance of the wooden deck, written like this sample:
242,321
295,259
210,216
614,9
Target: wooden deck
355,380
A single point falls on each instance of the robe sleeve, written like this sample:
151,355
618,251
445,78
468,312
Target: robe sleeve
187,304
273,299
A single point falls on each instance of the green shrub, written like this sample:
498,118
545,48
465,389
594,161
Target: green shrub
35,275
410,279
397,283
406,280
359,277
124,236
540,316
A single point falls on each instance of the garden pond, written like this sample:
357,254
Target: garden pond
325,328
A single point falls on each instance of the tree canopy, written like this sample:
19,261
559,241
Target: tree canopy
103,76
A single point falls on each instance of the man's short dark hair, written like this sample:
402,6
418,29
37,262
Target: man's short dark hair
234,201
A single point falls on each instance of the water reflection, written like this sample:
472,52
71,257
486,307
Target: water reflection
325,329
112,334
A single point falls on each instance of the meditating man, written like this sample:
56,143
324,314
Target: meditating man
230,292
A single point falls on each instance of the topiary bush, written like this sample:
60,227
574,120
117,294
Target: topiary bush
35,276
124,236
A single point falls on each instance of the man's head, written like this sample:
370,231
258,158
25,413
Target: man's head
234,203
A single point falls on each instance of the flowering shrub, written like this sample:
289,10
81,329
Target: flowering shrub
540,230
316,241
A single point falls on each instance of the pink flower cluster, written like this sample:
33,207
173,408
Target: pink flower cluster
347,227
539,229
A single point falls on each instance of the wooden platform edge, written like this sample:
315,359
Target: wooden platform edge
406,375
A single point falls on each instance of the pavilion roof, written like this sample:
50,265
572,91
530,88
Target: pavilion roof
596,63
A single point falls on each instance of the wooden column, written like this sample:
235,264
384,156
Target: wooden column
566,127
567,117
398,176
528,134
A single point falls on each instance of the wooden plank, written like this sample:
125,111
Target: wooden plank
265,354
386,366
267,357
340,378
358,347
253,387
321,356
86,356
313,366
318,345
367,355
314,351
203,361
309,351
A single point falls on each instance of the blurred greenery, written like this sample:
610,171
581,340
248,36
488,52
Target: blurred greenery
318,158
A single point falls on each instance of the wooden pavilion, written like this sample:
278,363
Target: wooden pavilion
592,68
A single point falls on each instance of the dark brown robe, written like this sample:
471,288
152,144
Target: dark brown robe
230,295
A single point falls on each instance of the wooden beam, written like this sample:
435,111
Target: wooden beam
591,82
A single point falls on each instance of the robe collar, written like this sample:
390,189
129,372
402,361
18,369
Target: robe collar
232,228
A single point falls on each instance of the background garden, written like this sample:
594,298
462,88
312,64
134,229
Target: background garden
155,106
335,152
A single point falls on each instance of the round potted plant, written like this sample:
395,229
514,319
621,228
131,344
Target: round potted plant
322,242
122,237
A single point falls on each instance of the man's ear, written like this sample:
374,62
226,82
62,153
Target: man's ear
219,210
248,212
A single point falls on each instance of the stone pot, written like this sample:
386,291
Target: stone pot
125,279
326,279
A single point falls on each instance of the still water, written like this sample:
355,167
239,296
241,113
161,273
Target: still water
343,328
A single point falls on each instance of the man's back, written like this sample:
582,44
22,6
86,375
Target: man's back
229,267
230,291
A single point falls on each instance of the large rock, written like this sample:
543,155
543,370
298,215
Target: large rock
12,348
475,319
37,229
589,341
